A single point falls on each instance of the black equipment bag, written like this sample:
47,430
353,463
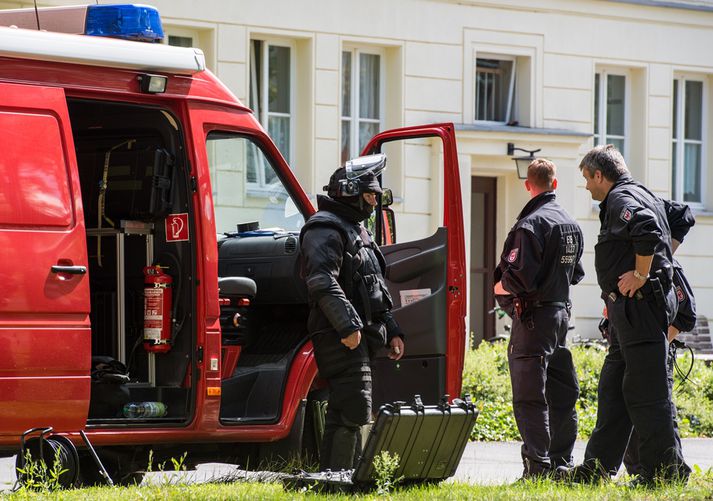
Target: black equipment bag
429,440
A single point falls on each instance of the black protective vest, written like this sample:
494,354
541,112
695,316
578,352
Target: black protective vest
363,266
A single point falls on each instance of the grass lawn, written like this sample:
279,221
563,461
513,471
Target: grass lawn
699,487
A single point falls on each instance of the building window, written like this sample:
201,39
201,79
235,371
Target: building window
180,41
610,110
687,151
271,82
362,99
495,89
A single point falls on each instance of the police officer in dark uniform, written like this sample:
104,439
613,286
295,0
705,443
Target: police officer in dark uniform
680,220
350,305
540,260
633,261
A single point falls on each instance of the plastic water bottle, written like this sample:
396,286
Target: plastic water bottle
145,409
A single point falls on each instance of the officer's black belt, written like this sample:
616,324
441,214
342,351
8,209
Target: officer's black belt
545,304
614,295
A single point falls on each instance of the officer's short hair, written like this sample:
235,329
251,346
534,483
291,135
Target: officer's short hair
606,159
541,173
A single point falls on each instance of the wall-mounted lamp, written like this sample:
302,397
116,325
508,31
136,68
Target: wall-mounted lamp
522,162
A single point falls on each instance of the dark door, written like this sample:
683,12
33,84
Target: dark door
482,258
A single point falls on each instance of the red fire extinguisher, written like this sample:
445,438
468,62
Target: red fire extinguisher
157,310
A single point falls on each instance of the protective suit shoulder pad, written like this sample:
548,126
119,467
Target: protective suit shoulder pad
326,218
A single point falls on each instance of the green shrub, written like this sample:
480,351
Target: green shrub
486,378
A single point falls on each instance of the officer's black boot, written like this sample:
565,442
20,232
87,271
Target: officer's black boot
589,472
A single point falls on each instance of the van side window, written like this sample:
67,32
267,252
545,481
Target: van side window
232,159
34,187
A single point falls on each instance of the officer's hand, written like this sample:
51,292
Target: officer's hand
352,340
499,290
397,348
629,284
605,313
672,333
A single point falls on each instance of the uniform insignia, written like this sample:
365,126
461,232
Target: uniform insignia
513,255
680,294
570,247
626,215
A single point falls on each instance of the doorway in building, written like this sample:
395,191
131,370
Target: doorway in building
482,258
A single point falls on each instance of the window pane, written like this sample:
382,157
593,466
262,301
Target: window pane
693,110
596,109
369,74
279,79
481,96
233,157
346,141
279,130
675,109
367,130
493,84
674,166
692,173
616,88
346,84
619,143
177,41
255,72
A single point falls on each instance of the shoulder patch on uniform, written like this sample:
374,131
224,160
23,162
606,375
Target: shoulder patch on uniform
680,294
626,214
513,255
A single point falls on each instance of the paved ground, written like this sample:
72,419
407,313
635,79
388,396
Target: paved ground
499,462
482,463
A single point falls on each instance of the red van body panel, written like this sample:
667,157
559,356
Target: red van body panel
44,316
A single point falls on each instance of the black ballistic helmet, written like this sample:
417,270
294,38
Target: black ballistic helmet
359,175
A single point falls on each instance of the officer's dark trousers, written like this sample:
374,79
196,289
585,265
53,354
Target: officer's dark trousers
544,387
633,389
631,456
349,405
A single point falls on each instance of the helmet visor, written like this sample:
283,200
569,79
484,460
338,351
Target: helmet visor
369,164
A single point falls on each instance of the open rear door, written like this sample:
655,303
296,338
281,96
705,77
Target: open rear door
426,278
44,305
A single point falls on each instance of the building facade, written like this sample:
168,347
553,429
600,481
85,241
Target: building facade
556,75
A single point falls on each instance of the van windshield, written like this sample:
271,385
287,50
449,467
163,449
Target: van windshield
246,187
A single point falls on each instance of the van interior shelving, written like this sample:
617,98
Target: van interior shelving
137,153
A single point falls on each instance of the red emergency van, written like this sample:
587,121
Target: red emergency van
125,168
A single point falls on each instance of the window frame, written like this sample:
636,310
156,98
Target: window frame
354,120
512,87
600,114
262,112
678,151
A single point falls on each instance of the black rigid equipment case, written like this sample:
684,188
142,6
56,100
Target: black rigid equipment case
429,439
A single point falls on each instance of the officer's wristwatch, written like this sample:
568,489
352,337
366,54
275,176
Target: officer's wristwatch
640,276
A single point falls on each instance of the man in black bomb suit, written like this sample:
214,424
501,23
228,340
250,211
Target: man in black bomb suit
350,306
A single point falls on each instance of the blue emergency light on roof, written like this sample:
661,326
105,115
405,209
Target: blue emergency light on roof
126,21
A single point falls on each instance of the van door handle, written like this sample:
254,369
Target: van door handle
72,270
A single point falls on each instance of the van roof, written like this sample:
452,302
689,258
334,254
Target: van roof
97,51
